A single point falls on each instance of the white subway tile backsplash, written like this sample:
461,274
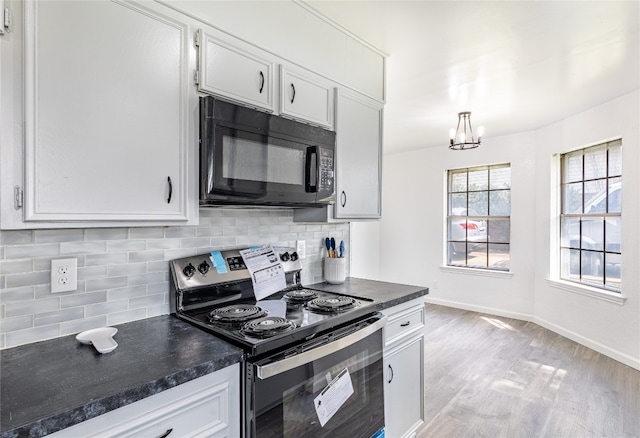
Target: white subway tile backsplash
68,248
126,293
83,299
115,258
106,308
16,266
18,280
31,251
145,256
149,300
16,323
58,316
20,337
53,236
126,245
20,237
146,233
106,234
80,325
105,283
123,273
127,269
17,294
128,316
153,277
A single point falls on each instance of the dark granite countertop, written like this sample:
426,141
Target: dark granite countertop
384,294
50,385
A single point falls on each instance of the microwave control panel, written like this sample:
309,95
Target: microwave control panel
325,183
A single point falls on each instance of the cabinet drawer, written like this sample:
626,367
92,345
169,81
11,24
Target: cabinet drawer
404,323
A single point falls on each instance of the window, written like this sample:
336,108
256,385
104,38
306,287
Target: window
478,218
590,220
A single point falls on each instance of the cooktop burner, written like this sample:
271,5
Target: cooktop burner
236,313
300,295
267,326
332,304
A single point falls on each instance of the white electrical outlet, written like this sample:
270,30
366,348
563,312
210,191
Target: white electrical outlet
64,275
301,249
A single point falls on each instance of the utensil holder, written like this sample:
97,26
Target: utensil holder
335,270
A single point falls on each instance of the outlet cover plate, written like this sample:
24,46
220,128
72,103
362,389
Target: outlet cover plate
64,275
301,248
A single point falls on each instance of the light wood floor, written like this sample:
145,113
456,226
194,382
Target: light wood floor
489,376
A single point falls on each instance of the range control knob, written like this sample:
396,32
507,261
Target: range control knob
294,256
189,270
284,256
203,267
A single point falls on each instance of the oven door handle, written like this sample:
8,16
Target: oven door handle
281,366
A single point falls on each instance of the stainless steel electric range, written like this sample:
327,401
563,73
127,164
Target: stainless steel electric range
313,362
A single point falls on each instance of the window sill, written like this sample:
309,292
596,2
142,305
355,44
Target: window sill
592,292
475,271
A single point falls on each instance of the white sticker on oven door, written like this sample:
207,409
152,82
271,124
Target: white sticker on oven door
333,396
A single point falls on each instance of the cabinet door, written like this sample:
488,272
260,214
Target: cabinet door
403,392
359,155
305,98
105,113
233,72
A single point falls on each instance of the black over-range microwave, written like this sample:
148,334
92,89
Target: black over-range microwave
248,157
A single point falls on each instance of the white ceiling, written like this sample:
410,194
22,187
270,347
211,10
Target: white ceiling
516,65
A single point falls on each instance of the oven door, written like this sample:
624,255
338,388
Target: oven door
331,390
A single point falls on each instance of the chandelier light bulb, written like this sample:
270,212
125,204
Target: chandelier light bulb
452,133
462,137
480,131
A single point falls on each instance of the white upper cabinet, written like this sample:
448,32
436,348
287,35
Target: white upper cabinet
359,157
235,71
106,120
306,98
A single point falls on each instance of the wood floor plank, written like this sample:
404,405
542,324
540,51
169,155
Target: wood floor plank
489,376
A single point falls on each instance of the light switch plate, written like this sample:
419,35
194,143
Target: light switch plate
64,275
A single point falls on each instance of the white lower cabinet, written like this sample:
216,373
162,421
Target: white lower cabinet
404,369
208,406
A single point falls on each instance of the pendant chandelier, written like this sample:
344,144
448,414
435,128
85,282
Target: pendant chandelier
462,136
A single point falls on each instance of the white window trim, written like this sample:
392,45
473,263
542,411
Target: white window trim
592,292
476,271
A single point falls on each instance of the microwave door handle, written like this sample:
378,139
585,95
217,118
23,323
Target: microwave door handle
311,170
289,363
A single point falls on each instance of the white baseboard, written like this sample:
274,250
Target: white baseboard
479,309
600,348
596,346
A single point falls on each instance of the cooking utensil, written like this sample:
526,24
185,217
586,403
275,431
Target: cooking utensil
327,243
341,248
333,248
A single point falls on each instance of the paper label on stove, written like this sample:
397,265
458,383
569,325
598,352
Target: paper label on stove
333,396
267,273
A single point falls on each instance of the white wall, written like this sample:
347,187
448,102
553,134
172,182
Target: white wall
607,327
412,231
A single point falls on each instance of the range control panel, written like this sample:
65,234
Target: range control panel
220,267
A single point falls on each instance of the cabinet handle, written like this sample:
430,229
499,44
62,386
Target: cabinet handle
343,198
404,324
166,434
391,374
170,189
262,81
293,88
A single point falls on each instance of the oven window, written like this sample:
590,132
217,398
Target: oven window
285,403
299,414
245,159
